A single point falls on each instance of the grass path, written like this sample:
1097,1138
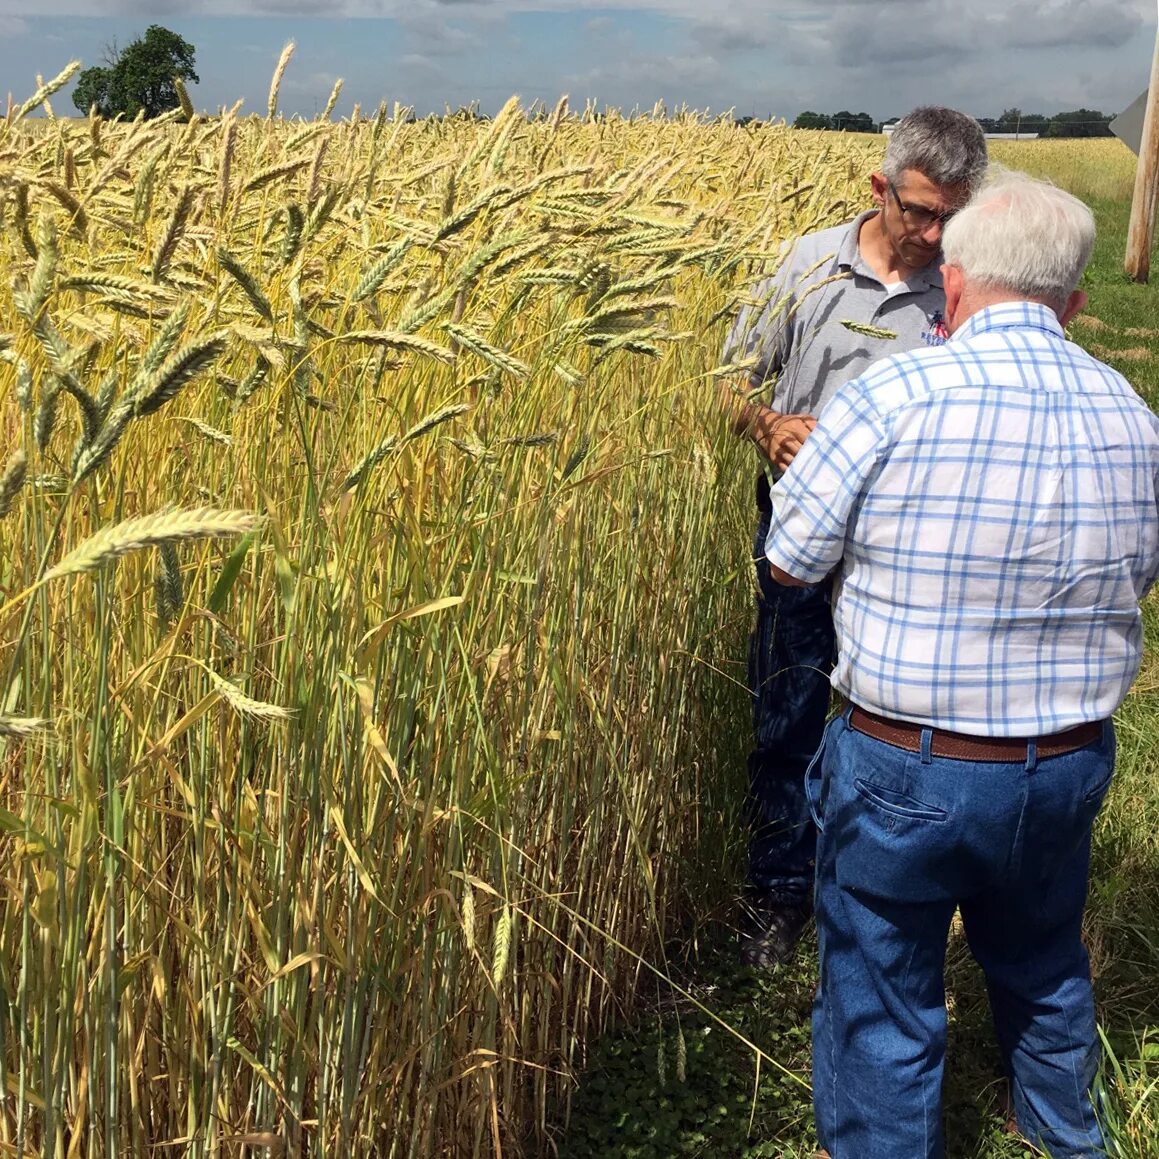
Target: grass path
677,1084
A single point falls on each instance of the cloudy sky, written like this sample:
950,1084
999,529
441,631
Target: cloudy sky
759,57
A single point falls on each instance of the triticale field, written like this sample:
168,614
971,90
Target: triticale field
374,592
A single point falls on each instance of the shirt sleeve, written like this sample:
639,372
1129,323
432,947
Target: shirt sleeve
817,498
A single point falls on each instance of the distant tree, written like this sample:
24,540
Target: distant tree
853,122
1080,123
1016,121
811,120
139,77
92,88
1010,121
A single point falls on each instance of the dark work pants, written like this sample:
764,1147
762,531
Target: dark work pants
791,654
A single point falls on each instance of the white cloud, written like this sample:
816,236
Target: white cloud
756,11
882,29
429,33
673,73
929,31
416,60
760,56
313,84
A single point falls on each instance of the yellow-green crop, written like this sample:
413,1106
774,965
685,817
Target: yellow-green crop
374,580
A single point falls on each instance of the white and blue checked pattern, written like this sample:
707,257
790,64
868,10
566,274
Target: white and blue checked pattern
994,503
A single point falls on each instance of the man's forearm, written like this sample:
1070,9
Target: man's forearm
747,417
777,436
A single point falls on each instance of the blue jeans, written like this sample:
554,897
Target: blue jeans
791,653
904,841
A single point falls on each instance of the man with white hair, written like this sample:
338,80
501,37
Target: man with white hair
991,507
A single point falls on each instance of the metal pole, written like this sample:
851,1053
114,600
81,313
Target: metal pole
1138,260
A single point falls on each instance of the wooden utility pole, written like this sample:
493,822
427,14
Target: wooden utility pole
1138,260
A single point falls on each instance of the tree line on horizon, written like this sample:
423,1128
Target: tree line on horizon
142,78
1076,123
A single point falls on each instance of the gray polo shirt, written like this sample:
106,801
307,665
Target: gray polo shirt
795,331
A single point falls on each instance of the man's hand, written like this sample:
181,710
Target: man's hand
789,581
780,437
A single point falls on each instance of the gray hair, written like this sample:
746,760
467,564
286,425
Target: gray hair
1022,235
945,146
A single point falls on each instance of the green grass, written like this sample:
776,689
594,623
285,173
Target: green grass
640,1102
632,1105
1121,321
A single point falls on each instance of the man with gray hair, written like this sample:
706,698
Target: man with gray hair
880,271
992,506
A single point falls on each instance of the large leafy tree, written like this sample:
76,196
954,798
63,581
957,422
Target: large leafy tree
811,120
92,88
854,122
138,78
1014,120
850,122
1080,123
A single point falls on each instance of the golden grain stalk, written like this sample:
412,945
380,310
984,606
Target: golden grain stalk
149,530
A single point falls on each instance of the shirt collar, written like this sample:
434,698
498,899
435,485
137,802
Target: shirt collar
1011,316
849,255
849,258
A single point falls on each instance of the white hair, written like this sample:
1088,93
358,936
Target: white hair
1022,235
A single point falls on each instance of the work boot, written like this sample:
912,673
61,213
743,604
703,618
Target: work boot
772,928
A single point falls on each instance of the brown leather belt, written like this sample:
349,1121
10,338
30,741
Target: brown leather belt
960,747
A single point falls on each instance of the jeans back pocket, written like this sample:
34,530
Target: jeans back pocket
898,804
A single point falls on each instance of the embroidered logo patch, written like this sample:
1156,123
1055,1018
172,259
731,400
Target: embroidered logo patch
936,333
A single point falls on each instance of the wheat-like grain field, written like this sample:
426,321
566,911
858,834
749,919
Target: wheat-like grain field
374,584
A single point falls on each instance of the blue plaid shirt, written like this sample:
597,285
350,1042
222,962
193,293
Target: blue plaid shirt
992,503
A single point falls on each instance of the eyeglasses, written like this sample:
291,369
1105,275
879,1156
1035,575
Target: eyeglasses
920,216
